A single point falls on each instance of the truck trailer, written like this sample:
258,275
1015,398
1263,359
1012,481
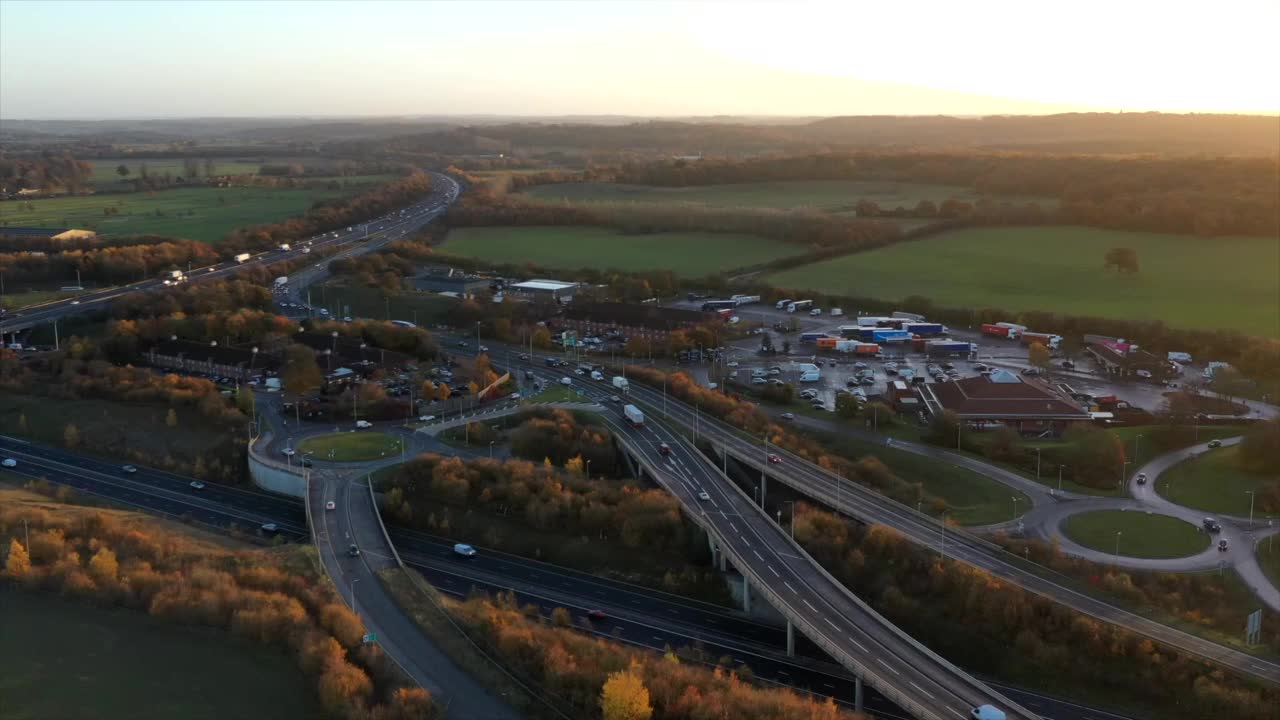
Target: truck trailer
633,415
620,383
745,299
811,337
1050,341
890,336
924,329
1000,331
242,257
949,347
799,305
908,316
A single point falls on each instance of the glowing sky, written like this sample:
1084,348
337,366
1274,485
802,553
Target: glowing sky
107,59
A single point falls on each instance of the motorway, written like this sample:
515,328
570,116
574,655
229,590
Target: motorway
374,233
636,615
913,677
860,502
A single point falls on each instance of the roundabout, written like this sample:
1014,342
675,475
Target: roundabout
1135,533
350,446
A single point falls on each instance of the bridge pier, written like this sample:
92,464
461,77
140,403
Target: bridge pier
746,595
764,487
791,639
857,693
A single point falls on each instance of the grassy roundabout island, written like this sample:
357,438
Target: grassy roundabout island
1142,535
350,446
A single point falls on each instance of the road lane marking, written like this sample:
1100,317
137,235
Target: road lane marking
888,666
775,572
784,582
922,690
811,607
837,627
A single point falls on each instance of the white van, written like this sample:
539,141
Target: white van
811,376
566,381
815,312
464,550
363,424
597,375
836,312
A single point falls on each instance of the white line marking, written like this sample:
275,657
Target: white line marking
890,668
922,690
775,572
784,582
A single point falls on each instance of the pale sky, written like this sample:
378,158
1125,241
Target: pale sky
170,59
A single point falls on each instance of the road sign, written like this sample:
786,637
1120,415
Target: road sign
370,638
1253,628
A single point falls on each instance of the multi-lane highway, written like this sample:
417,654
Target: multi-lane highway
365,237
913,677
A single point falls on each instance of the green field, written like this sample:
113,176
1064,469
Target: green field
556,393
342,299
203,213
690,254
74,661
1141,535
974,499
1214,482
1184,281
835,196
350,446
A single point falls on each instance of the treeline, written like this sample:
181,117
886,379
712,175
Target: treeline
1200,599
332,214
561,436
963,613
413,341
24,243
602,680
116,562
115,264
50,172
537,510
1201,195
815,231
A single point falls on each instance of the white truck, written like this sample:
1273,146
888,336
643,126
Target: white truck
620,383
242,257
799,305
282,281
633,415
173,275
781,304
284,246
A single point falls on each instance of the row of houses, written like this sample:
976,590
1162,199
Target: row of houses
336,356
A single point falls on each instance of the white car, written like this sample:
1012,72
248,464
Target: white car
702,495
363,424
464,550
566,381
426,418
270,527
331,505
129,469
288,452
732,363
196,485
9,462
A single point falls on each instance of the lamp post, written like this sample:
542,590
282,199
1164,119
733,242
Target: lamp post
1060,479
354,608
1124,473
1037,463
1118,545
1014,498
1251,498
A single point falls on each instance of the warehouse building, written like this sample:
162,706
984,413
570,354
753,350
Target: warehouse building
450,280
652,322
544,290
1025,404
1126,360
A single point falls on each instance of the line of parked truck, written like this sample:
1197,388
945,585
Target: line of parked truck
870,333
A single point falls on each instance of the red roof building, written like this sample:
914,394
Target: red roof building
1025,404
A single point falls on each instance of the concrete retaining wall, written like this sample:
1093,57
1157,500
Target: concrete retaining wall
274,476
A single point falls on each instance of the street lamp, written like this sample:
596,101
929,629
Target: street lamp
1037,463
1137,449
1118,545
1124,472
1251,498
354,608
490,449
1060,478
1014,498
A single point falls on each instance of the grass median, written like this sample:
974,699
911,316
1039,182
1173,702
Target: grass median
1137,534
1214,482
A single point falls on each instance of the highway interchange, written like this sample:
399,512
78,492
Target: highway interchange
838,622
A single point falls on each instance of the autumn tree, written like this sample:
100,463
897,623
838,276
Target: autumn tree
1038,356
71,436
300,372
171,419
624,697
1123,259
18,562
122,170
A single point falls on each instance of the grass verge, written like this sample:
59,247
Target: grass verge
1214,483
1140,535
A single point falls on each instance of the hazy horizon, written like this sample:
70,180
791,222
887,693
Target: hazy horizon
338,60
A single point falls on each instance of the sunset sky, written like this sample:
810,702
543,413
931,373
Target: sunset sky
106,59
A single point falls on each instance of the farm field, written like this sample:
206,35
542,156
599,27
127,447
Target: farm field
74,661
689,254
1184,281
837,196
204,213
104,169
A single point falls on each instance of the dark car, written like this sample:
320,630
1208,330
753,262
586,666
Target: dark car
664,449
1215,443
1211,525
353,551
597,614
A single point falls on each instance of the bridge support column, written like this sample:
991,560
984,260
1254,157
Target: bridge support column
791,639
746,595
724,562
857,693
764,487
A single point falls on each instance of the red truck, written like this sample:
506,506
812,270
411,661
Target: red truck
1000,331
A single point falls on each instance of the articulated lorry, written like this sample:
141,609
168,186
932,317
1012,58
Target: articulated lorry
242,257
633,415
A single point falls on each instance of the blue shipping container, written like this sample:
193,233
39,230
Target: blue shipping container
924,328
883,336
